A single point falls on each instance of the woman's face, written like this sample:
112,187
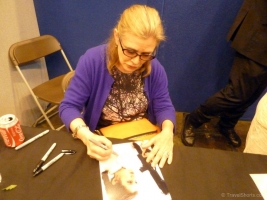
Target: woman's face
126,178
133,44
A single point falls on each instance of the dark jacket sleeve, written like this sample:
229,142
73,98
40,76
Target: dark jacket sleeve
249,31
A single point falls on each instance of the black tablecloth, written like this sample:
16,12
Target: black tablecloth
199,173
71,177
196,173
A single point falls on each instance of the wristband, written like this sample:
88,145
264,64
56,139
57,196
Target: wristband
74,134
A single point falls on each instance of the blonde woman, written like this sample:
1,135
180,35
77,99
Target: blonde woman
122,81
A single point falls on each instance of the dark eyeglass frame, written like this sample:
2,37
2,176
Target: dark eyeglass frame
141,56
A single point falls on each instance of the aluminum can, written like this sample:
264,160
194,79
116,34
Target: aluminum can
11,131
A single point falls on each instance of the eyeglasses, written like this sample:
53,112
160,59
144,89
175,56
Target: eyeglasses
132,53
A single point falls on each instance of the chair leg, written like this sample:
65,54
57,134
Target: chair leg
59,128
44,115
41,119
48,121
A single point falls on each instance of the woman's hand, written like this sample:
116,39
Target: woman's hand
92,141
161,146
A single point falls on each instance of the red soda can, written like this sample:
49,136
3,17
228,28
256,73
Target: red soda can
11,131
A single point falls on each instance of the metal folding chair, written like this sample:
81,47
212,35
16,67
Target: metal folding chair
50,91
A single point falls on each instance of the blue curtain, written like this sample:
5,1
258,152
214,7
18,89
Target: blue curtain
196,55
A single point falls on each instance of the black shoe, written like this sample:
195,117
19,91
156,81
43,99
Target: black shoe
231,136
187,134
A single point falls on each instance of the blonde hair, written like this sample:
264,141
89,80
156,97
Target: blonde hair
141,21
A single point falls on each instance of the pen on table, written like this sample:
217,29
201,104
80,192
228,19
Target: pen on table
101,145
31,140
41,169
40,164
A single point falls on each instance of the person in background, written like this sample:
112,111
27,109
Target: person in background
122,81
247,79
256,141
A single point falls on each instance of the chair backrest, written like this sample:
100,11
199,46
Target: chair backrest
50,90
32,49
66,80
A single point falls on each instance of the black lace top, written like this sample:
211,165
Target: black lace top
126,100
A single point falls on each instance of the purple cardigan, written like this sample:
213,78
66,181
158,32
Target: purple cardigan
91,84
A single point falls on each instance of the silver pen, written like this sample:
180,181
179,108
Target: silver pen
48,164
101,145
31,140
40,164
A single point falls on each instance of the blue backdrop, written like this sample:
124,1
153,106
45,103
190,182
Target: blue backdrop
196,56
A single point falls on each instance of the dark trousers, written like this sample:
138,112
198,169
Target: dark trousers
247,81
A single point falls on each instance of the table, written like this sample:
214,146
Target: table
196,173
199,173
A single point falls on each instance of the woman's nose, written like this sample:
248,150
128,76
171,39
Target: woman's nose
136,60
